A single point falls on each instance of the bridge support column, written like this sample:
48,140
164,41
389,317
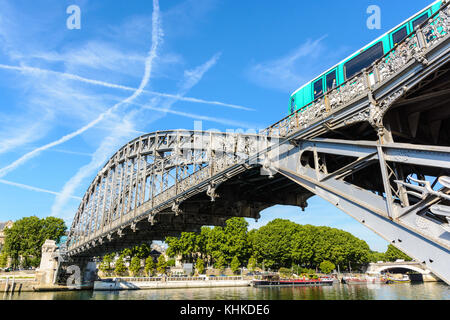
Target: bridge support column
430,246
77,273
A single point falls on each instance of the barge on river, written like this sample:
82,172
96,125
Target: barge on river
275,281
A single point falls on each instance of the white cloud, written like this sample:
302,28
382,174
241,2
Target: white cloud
290,71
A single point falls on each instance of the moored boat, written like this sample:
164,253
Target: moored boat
364,280
404,279
277,282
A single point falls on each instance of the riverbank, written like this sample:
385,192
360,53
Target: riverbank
118,284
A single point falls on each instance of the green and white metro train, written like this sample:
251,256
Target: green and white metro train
356,62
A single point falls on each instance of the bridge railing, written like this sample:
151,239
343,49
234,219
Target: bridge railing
429,33
147,174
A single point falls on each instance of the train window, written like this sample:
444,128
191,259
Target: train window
331,80
318,89
292,105
363,60
420,20
399,35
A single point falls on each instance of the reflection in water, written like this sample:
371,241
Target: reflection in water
421,291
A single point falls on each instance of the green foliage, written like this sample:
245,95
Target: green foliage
200,266
235,264
313,245
105,265
327,266
236,240
285,272
220,263
135,266
26,237
272,243
149,266
161,265
127,253
3,260
171,263
251,264
281,243
375,256
120,269
392,254
142,251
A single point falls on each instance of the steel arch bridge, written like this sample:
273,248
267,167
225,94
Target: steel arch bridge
377,147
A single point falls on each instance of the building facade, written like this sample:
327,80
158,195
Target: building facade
3,227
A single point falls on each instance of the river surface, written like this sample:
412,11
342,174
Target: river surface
420,291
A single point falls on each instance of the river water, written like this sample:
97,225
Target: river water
420,291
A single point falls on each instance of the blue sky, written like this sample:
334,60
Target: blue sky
240,60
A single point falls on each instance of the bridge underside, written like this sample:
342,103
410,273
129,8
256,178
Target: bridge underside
244,195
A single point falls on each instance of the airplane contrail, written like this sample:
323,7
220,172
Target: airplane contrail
156,35
27,187
121,87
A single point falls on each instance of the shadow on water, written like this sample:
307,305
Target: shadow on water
420,291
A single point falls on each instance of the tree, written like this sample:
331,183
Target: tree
251,264
200,266
215,244
142,251
127,253
3,260
236,240
235,264
120,268
327,266
26,237
52,229
135,266
171,263
149,266
272,243
285,272
105,265
375,256
392,254
220,263
161,265
173,246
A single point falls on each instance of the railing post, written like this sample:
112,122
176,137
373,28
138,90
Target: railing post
327,104
421,42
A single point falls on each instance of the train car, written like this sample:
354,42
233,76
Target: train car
356,62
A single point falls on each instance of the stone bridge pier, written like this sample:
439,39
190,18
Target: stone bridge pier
57,270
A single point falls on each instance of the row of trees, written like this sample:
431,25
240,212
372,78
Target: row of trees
24,240
279,244
134,261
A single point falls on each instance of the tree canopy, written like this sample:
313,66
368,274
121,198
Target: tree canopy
27,235
279,244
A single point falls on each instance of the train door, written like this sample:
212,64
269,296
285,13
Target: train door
318,88
331,80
